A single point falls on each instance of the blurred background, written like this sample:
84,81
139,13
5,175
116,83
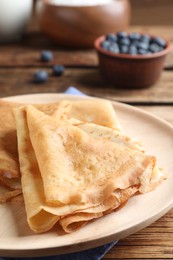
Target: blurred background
30,26
154,12
144,13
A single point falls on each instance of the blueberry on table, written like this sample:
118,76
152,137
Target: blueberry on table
40,76
58,70
46,56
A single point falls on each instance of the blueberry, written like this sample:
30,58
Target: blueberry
134,36
105,45
132,50
154,47
124,41
143,51
134,42
121,35
161,42
114,48
46,56
40,76
124,48
58,70
111,37
145,38
143,45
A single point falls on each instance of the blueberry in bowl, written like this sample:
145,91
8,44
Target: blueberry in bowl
131,59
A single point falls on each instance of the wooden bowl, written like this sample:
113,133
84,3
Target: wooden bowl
130,71
79,26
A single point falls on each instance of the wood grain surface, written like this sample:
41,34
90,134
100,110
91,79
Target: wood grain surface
18,63
87,80
147,12
27,54
153,242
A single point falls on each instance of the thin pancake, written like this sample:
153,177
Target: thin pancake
109,134
9,162
9,166
73,222
41,217
99,112
113,135
66,174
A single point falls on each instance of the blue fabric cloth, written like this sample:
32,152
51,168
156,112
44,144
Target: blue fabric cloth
90,254
74,91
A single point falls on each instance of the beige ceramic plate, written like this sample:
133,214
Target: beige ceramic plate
16,239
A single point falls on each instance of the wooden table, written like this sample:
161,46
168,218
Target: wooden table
19,61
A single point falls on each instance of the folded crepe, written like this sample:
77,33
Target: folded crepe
9,163
96,131
70,177
102,112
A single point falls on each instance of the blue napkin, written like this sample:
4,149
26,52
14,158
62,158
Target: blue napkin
74,91
90,254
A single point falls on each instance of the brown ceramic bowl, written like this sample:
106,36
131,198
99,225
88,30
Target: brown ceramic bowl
79,26
130,71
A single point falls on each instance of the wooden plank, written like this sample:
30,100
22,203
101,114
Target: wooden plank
152,12
19,81
27,52
153,242
144,252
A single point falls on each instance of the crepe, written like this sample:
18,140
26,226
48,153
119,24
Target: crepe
9,163
9,166
70,177
99,112
148,183
102,111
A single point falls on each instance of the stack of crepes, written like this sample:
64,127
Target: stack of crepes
74,162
